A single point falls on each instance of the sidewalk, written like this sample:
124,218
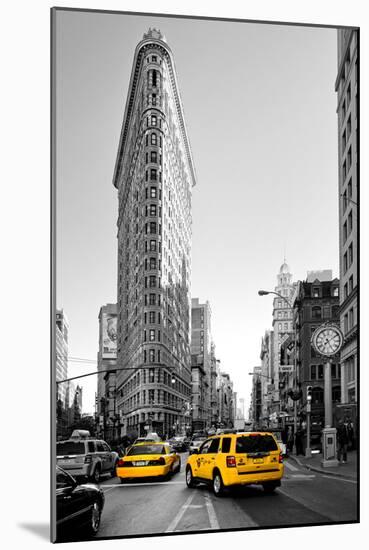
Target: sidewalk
348,470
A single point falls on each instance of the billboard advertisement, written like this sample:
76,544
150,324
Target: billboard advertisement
109,336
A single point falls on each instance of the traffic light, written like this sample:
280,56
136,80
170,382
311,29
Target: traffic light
309,393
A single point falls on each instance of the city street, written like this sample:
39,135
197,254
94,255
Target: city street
304,498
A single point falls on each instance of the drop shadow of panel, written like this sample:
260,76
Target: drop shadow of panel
40,529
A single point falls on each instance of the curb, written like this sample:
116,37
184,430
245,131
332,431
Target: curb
319,470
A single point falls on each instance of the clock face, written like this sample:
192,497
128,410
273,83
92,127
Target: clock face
327,340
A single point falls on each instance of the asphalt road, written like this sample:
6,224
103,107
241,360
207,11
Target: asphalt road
169,506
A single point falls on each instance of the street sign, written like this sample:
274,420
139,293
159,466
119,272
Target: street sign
286,368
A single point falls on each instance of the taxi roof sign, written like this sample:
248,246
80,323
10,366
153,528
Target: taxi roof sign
80,434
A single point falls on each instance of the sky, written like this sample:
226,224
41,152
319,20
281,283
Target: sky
260,111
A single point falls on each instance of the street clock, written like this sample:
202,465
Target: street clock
327,340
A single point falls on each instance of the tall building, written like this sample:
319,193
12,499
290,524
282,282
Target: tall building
282,326
266,375
256,399
154,175
106,381
62,328
348,112
201,364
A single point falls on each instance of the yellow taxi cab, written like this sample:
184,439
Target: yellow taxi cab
231,459
151,459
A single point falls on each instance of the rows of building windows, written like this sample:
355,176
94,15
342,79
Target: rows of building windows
318,395
317,371
154,376
348,321
169,420
153,397
348,257
348,287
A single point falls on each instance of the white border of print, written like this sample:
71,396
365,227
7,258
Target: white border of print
25,227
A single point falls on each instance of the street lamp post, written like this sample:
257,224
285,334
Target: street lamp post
264,293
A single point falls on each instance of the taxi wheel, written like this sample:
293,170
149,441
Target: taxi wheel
218,487
95,517
95,478
189,478
114,470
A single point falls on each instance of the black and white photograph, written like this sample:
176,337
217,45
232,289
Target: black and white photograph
183,222
205,205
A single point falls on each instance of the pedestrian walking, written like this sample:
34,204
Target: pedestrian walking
350,433
342,440
289,439
299,442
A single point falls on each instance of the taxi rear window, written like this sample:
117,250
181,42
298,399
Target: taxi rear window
255,443
147,450
70,448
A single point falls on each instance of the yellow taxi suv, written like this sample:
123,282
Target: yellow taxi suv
228,460
146,460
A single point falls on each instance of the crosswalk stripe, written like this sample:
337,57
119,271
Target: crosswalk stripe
289,466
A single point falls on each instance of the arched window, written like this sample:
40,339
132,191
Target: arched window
154,139
316,312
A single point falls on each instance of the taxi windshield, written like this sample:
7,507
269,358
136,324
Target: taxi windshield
147,450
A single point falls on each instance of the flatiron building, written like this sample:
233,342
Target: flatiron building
154,176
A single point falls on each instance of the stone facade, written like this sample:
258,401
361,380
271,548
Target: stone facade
201,361
154,175
108,419
347,111
316,302
282,326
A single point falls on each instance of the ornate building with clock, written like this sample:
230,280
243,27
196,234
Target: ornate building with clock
154,175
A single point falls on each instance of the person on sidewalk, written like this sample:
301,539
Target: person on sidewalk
289,440
299,442
342,440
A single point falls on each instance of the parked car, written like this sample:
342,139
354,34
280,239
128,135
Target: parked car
78,507
196,443
83,456
179,444
149,459
236,459
278,435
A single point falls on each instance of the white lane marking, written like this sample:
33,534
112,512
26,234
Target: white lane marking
291,467
340,479
211,512
303,476
144,484
181,511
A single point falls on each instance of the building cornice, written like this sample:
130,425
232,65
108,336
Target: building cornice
141,48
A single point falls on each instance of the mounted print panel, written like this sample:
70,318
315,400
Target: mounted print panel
205,259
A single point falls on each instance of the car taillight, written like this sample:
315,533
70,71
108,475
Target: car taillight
88,459
120,463
280,458
231,462
161,460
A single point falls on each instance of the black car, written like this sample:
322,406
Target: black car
78,507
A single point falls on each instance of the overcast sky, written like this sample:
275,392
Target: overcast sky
260,109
